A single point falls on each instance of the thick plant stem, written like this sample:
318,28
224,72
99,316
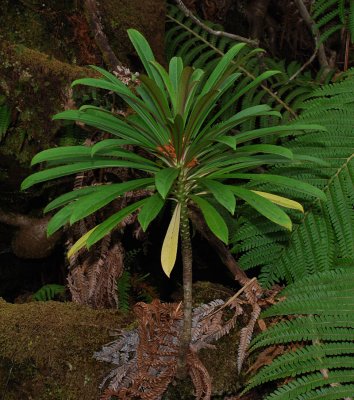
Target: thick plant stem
186,247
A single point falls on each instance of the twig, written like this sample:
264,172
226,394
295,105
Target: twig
315,33
242,69
188,13
94,20
307,63
232,298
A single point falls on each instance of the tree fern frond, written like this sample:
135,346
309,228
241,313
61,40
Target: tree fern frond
329,328
325,233
323,333
123,291
332,16
200,48
48,292
304,384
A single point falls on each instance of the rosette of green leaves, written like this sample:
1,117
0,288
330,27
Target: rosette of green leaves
191,156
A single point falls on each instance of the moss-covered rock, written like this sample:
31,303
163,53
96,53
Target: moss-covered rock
36,86
46,352
42,44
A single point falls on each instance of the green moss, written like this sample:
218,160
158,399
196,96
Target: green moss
146,16
36,87
46,349
31,23
50,346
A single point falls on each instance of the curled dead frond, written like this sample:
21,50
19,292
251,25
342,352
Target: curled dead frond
145,359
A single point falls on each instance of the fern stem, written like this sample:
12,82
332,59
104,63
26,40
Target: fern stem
242,69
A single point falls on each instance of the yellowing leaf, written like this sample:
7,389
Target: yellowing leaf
281,201
170,243
78,245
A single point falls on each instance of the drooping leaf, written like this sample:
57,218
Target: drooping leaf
61,153
294,184
280,200
59,219
150,210
222,193
170,243
213,219
111,222
266,148
68,197
58,172
107,193
164,180
264,206
230,141
79,244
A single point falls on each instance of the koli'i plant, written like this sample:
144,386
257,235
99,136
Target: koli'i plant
191,158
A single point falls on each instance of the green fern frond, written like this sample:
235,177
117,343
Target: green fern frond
324,330
325,234
200,48
332,16
48,292
329,328
5,119
123,291
303,385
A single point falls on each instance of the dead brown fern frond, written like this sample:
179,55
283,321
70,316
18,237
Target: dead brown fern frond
146,358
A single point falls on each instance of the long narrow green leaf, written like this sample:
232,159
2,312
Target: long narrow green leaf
117,87
60,153
150,210
175,73
59,219
183,90
221,67
58,172
107,193
110,77
164,179
259,133
263,206
266,148
110,223
222,194
237,119
213,219
145,54
199,113
294,184
232,101
158,96
193,89
70,196
108,144
108,124
167,82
